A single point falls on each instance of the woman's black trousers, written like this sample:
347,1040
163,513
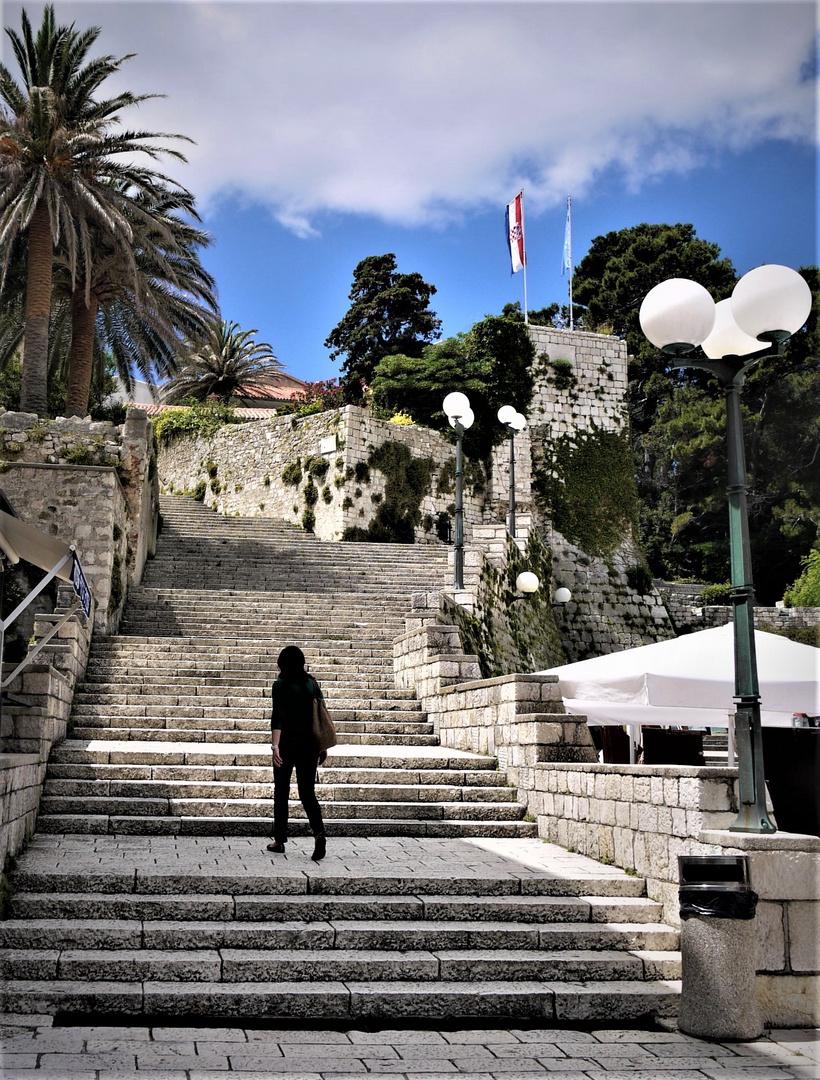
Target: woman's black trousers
305,763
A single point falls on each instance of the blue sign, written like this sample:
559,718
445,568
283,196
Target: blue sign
81,585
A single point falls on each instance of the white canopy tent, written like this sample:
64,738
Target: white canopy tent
689,682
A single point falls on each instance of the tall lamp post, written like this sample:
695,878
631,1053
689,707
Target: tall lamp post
514,422
457,409
768,305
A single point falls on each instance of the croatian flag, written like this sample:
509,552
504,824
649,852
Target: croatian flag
515,233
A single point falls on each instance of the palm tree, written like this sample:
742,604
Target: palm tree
60,149
228,361
145,306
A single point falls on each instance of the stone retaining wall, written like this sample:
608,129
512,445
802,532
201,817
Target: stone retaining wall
687,612
28,731
89,484
241,467
635,816
21,782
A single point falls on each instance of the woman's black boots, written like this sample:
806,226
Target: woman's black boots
320,847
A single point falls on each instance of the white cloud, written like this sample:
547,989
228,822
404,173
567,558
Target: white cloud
413,112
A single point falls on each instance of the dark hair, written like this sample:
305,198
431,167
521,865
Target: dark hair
291,661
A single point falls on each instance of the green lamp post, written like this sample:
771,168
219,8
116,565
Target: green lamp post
768,305
457,409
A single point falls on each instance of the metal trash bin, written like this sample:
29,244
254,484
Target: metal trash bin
718,948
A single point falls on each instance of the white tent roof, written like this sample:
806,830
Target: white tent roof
689,681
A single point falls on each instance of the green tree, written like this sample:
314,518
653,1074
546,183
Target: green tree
389,314
60,148
228,361
142,308
615,275
492,364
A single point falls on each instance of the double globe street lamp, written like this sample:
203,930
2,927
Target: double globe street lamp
457,409
514,423
768,305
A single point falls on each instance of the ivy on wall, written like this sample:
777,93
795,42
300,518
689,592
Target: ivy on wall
586,482
408,480
508,636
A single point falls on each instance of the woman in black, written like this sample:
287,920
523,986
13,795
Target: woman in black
293,746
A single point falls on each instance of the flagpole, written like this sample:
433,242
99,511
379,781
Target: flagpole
524,234
569,257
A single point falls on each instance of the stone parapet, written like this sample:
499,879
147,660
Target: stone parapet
21,781
42,696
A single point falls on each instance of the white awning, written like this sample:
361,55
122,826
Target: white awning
21,541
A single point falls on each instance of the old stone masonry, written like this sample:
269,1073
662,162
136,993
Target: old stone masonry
147,890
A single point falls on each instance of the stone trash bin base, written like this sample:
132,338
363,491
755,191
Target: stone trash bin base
718,948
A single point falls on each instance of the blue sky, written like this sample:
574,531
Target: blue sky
329,131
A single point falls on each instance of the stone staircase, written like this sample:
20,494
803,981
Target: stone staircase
148,890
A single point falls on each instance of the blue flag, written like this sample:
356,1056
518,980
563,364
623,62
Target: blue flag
566,261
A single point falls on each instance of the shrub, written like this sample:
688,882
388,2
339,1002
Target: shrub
317,467
292,474
204,420
404,419
639,578
716,594
308,520
311,494
805,592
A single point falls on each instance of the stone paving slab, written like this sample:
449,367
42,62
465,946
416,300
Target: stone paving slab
32,1046
121,863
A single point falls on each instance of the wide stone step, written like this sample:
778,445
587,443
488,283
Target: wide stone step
544,1000
100,825
327,790
231,806
405,931
201,708
356,912
252,684
234,734
358,777
344,755
257,964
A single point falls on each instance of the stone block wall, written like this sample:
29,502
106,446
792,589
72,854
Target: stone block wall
89,484
607,613
241,467
28,732
594,395
21,781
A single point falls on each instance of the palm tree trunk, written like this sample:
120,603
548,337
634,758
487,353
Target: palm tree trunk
34,387
81,358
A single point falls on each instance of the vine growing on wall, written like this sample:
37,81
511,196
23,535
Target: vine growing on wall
509,636
408,480
586,483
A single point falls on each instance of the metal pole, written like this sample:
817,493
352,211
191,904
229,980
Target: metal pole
458,563
512,483
748,738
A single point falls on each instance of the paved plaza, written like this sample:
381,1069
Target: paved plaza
31,1046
